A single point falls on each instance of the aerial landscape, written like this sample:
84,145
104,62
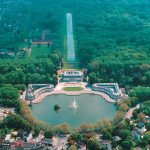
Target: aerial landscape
74,74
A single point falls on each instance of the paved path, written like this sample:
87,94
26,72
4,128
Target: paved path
28,50
130,111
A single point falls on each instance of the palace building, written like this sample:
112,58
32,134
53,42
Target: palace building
111,89
34,90
72,76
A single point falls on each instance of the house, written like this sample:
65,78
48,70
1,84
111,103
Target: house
107,144
135,135
140,125
29,145
60,142
6,53
30,137
6,144
8,137
40,137
81,146
109,147
141,131
147,119
117,138
47,142
140,128
19,143
41,42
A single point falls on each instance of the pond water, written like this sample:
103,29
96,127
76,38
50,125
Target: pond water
92,108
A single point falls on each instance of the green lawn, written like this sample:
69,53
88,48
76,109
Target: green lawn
73,89
71,65
37,51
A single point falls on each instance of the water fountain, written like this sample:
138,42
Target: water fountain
70,39
74,104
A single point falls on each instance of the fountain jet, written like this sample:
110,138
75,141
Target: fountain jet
74,104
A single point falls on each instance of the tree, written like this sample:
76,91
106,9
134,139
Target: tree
9,92
9,96
147,75
92,78
146,138
145,107
56,107
76,137
142,93
123,107
63,129
134,101
2,79
85,128
93,144
103,124
17,122
108,136
118,117
148,126
48,134
125,133
36,78
141,117
127,144
72,147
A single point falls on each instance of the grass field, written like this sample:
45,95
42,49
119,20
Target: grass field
71,65
73,89
37,51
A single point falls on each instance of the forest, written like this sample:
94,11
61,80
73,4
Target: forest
100,26
111,37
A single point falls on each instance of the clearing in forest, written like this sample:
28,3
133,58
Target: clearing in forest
41,50
71,61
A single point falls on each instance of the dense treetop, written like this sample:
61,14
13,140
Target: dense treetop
99,26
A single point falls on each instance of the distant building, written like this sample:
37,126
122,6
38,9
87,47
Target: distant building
72,76
5,111
41,42
6,144
111,89
107,145
117,138
135,135
6,53
140,128
47,142
140,125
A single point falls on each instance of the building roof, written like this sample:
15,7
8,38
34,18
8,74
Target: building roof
116,138
72,72
140,125
46,141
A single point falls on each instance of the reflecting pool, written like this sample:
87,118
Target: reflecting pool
91,108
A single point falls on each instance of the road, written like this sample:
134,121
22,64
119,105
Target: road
130,111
